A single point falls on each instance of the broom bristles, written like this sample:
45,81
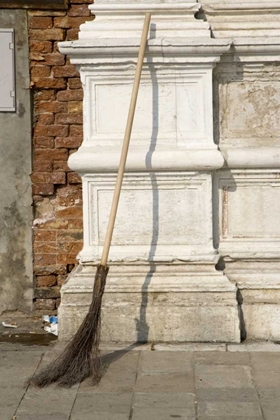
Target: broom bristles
81,357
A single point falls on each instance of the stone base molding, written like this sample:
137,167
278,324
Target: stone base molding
155,302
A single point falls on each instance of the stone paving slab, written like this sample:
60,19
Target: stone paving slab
112,382
165,362
250,410
169,382
100,415
147,385
46,416
221,358
160,414
164,400
87,402
52,399
227,394
266,369
227,417
190,347
223,376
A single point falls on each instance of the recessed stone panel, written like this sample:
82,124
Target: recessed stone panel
170,110
156,212
249,205
249,112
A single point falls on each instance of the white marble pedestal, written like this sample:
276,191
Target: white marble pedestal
162,285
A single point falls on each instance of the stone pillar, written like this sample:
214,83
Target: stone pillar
247,105
162,284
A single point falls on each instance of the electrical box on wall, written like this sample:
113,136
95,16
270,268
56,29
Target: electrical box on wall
7,70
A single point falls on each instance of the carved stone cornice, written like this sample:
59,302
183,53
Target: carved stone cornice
242,19
174,18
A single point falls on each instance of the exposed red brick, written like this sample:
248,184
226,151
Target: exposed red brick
70,212
51,130
51,107
48,177
45,248
76,130
74,178
45,235
51,154
56,49
76,224
75,106
37,199
46,13
81,1
71,118
47,304
70,248
60,166
35,57
44,95
69,195
43,189
54,59
68,142
58,132
50,269
44,166
47,292
44,259
46,281
49,83
68,22
40,71
39,22
40,46
70,95
75,83
61,278
72,34
65,71
45,119
53,34
66,259
44,142
55,224
69,236
79,10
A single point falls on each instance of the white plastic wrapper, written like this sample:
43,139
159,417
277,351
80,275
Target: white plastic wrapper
52,329
9,325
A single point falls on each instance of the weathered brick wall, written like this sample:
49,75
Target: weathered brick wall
57,132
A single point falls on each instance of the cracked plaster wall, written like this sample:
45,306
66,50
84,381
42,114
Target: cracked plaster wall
16,278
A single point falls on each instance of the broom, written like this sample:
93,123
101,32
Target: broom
81,357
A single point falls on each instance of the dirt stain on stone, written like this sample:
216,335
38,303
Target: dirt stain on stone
21,110
15,284
28,339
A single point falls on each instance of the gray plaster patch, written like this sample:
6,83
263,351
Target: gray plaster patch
16,276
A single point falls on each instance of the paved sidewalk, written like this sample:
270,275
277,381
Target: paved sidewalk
186,382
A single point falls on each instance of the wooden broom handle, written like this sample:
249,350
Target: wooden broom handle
126,141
